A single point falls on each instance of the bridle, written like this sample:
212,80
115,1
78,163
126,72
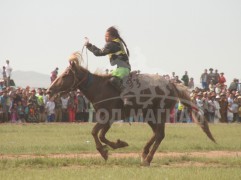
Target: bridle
77,81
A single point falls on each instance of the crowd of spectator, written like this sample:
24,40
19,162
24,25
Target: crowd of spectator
33,105
217,101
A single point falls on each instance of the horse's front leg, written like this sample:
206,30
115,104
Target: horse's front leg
102,149
114,145
148,145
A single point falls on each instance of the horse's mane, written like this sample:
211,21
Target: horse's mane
77,58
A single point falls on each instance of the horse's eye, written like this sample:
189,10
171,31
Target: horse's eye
65,74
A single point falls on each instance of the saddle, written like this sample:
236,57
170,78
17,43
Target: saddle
143,88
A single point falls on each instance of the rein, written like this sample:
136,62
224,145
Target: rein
77,82
85,77
86,53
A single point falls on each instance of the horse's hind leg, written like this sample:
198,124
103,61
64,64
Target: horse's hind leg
148,145
114,145
159,136
102,149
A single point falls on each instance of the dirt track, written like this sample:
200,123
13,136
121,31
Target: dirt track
209,154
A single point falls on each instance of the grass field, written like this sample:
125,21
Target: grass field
67,151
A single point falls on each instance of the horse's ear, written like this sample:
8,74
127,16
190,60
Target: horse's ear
71,63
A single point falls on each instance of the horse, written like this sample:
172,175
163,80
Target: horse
151,96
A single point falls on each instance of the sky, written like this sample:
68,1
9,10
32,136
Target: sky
162,36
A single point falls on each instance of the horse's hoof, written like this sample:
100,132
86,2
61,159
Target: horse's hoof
121,144
145,163
104,152
143,157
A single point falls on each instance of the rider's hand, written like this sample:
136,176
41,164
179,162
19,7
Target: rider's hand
86,41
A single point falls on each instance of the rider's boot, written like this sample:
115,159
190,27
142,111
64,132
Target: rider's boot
117,84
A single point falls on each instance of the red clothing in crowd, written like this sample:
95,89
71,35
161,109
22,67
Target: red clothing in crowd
222,80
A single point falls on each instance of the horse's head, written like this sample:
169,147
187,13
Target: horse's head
69,80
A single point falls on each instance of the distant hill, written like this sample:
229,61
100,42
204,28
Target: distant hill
30,78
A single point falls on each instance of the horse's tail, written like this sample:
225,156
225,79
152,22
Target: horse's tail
197,115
